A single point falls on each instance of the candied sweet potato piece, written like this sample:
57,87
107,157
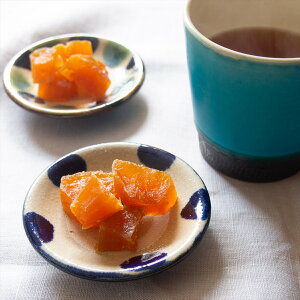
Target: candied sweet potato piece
61,50
79,47
88,74
59,90
70,188
94,203
72,185
44,65
140,186
107,179
120,231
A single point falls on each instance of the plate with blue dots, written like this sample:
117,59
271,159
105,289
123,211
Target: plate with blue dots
165,240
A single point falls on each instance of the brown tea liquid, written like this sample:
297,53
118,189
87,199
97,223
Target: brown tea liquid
261,42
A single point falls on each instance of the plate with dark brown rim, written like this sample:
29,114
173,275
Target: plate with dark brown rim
125,70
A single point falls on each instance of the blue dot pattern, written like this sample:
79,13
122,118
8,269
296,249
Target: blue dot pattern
38,228
114,54
155,158
130,64
144,261
70,164
23,61
189,211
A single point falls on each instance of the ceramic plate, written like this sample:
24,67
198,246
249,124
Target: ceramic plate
125,69
164,240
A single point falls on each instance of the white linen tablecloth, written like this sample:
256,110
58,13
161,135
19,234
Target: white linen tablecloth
251,249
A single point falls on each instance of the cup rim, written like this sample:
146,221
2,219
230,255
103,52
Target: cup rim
226,51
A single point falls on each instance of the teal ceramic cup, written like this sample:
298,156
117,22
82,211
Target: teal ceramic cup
246,107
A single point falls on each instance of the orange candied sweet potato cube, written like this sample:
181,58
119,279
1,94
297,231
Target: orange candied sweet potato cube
107,179
79,47
44,65
120,231
94,203
61,49
59,90
90,76
140,186
72,185
70,188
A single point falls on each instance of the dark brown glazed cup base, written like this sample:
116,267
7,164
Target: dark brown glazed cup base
245,168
